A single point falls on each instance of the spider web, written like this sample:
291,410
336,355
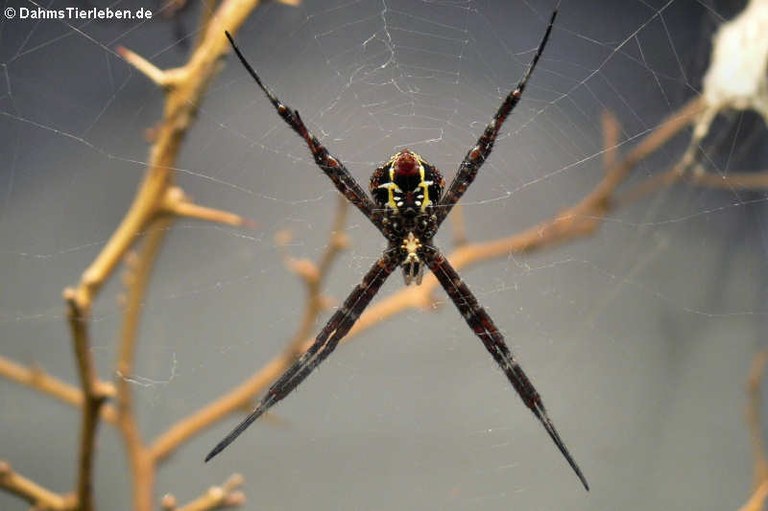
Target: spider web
639,337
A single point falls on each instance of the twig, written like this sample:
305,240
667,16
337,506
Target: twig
154,200
206,16
757,499
177,203
185,88
36,378
94,393
219,497
136,281
731,181
157,196
36,495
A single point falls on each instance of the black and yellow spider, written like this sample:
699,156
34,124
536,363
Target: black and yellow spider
407,206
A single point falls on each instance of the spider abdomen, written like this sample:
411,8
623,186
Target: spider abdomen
407,184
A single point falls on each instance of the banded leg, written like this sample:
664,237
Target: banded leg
478,154
325,342
330,165
482,324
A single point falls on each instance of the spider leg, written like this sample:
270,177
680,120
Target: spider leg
325,342
482,325
478,154
330,165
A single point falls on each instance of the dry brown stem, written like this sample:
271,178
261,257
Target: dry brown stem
136,281
39,497
219,497
206,15
94,395
185,87
35,377
757,499
156,203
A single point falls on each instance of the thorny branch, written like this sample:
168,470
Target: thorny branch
94,395
217,497
159,202
156,204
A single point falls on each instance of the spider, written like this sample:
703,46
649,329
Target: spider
407,205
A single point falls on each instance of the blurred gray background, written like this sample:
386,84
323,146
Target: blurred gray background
638,338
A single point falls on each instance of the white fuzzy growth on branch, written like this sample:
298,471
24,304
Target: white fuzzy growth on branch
736,77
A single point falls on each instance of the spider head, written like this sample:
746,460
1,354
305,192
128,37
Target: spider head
407,184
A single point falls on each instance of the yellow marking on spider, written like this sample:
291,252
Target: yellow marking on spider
411,244
391,188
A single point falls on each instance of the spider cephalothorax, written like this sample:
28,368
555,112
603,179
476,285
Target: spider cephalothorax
408,207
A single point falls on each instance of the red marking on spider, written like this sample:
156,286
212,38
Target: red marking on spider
406,163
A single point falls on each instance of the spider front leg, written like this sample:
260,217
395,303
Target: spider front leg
482,149
482,325
329,164
325,342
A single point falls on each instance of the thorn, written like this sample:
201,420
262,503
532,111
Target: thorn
145,67
189,209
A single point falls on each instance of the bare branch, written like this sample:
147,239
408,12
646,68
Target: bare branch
219,497
94,393
35,377
756,501
177,203
32,492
